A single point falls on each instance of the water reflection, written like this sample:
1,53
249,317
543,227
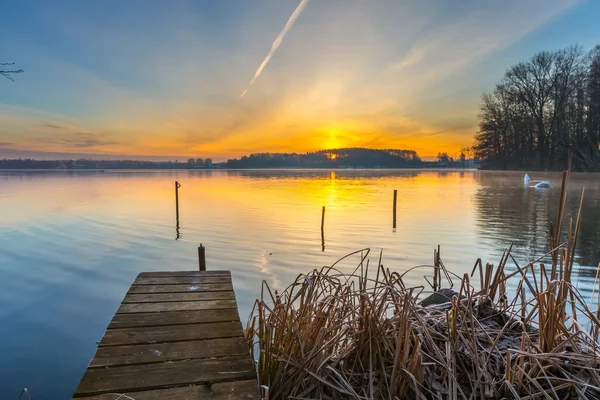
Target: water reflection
72,242
508,211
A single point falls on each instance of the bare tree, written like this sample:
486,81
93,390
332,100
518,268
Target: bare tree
8,72
593,104
541,108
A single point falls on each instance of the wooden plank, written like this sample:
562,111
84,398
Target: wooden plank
176,306
177,280
171,333
205,287
151,353
173,318
158,274
176,335
238,390
158,376
167,297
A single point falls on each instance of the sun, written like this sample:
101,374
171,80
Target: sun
332,142
332,156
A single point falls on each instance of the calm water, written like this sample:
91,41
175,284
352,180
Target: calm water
71,243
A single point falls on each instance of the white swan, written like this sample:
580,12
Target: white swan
543,185
536,184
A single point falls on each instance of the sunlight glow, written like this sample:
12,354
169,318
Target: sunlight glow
333,142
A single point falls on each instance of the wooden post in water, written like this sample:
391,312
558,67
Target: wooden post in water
437,276
177,186
395,202
202,257
323,229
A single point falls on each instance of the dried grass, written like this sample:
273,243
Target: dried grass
363,335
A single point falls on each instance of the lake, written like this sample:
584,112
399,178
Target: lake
71,243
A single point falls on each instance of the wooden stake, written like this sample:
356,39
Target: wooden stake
177,186
202,257
437,276
323,229
395,202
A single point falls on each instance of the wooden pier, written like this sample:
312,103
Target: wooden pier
176,335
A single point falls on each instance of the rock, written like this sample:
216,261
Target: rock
440,297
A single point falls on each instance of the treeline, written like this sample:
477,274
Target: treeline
89,164
338,158
542,108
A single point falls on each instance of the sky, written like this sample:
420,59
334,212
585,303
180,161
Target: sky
223,78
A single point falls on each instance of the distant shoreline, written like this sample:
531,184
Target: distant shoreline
344,158
238,169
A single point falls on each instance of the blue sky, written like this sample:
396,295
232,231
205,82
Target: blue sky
164,79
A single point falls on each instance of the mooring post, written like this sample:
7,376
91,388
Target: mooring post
437,276
202,257
323,229
395,202
177,186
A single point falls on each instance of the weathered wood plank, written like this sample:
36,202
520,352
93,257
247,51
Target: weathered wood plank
173,318
238,390
176,280
163,375
204,287
172,333
168,297
158,274
107,356
176,306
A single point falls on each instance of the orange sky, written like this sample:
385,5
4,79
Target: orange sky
224,80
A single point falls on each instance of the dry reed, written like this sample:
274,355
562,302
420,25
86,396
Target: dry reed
363,335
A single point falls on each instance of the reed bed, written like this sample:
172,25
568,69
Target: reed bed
365,335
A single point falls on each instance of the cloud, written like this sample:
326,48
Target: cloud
415,56
457,44
53,126
288,25
48,155
6,144
78,140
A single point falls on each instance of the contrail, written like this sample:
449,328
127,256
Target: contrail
291,21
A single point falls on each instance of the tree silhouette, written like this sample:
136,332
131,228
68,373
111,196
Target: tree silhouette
542,108
8,72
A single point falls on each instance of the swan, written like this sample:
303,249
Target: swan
543,185
536,184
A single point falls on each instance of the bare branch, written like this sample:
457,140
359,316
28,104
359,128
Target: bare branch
7,73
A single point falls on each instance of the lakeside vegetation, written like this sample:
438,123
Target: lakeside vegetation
334,158
540,109
353,157
365,334
89,164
